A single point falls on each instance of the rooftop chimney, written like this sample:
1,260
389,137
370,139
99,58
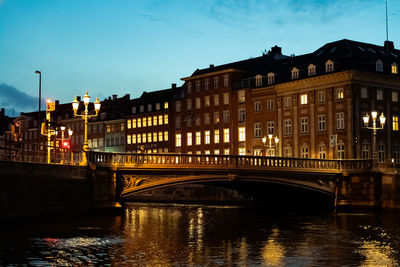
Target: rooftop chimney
211,65
389,46
173,86
57,103
276,50
114,97
2,112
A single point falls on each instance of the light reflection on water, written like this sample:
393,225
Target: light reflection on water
195,235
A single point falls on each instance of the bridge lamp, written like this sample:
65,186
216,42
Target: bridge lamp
85,116
374,128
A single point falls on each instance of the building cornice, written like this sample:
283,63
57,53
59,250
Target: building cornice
210,74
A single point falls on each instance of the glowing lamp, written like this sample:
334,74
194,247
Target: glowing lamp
374,114
276,140
62,128
97,105
382,119
86,98
366,119
75,104
264,139
70,132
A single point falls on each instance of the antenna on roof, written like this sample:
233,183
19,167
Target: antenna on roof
387,31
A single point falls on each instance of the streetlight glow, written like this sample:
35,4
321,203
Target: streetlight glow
374,114
75,105
86,98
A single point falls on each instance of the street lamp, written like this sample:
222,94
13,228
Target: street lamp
85,116
375,127
38,123
270,137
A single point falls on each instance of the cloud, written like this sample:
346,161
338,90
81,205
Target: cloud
149,17
11,97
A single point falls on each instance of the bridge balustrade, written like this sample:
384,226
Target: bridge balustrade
225,161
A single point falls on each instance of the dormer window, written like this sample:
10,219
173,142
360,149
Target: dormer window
295,73
258,80
379,66
394,68
311,70
271,78
329,66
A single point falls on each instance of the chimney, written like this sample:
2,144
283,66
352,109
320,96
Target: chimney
2,112
114,97
57,103
173,86
389,46
127,96
211,66
276,50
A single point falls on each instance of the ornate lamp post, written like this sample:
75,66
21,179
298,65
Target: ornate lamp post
382,120
64,143
85,116
38,123
270,137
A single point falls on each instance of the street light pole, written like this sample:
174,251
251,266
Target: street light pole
85,116
38,123
374,128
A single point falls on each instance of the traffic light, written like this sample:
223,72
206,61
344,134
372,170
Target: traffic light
65,144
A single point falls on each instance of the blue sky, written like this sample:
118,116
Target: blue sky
123,46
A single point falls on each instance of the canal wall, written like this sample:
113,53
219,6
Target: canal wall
30,189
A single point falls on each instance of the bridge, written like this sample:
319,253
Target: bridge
139,173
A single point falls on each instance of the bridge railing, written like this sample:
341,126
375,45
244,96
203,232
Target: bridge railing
224,161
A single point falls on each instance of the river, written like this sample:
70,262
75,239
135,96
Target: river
204,235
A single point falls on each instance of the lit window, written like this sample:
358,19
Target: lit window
149,135
321,123
303,99
257,129
165,135
329,66
242,151
304,125
144,138
178,140
165,118
395,96
165,105
340,120
216,151
242,134
311,70
207,137
149,121
207,101
322,151
216,136
295,73
133,138
198,138
226,151
128,139
395,123
160,120
154,136
154,120
394,68
304,151
139,122
216,117
339,93
271,78
144,122
379,66
226,135
160,136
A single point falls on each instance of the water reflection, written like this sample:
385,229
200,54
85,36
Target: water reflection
193,235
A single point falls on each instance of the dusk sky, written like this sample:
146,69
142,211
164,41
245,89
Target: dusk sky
127,47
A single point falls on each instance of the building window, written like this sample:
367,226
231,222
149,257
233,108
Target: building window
365,151
178,106
149,138
381,153
258,80
287,102
139,122
154,121
394,68
287,151
226,151
257,106
133,138
157,106
322,151
144,138
207,137
311,69
141,108
206,118
198,138
270,127
364,92
178,122
242,134
227,116
271,78
379,66
270,104
339,93
128,139
242,151
241,96
216,117
129,124
206,84
288,126
257,129
149,107
396,153
321,96
395,123
207,101
160,136
395,96
197,84
216,151
340,151
242,114
379,94
144,122
295,73
340,120
165,135
189,104
165,105
160,120
226,135
303,99
198,102
226,98
178,140
304,125
133,110
226,80
154,136
216,82
189,87
329,66
165,118
304,152
189,139
216,136
321,123
216,100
